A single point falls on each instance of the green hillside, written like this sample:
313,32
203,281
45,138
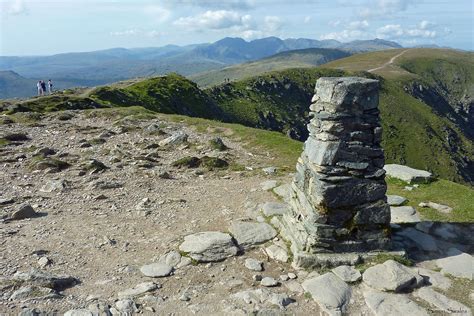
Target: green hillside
302,58
416,132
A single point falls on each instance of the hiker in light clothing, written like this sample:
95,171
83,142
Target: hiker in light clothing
50,86
40,88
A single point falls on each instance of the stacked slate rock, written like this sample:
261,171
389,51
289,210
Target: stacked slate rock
338,202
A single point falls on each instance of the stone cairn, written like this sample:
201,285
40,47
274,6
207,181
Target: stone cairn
338,209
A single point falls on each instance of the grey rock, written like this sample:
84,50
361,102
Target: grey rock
391,276
138,290
55,186
253,264
330,292
126,307
44,279
24,211
156,270
263,295
78,312
283,191
395,200
30,312
6,201
441,302
33,292
268,185
273,208
294,286
403,214
423,241
434,278
43,262
382,304
278,253
284,277
209,246
270,170
457,263
408,174
172,258
269,282
249,234
175,139
347,273
439,207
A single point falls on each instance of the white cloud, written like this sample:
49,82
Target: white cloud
16,7
215,4
220,19
380,8
272,24
424,29
345,35
137,33
307,19
358,25
158,13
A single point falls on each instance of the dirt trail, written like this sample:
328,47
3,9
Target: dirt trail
389,62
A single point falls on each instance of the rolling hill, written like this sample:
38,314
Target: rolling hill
416,132
301,58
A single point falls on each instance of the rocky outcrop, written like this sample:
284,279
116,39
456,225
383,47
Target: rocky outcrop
338,201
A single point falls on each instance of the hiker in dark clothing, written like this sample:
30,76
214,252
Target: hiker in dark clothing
43,86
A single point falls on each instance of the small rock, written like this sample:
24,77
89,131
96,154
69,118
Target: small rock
140,289
347,273
156,270
172,258
291,275
395,200
269,170
330,292
185,297
78,312
55,186
43,262
257,277
253,264
269,282
175,139
439,207
284,277
126,307
25,211
278,253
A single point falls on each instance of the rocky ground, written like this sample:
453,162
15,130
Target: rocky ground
103,216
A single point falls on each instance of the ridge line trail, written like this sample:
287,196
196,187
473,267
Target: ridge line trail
389,62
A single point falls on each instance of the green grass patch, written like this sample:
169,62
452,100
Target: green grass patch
457,196
4,142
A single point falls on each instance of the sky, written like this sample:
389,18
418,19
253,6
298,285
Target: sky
33,27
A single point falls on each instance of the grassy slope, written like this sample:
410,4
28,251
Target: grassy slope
304,58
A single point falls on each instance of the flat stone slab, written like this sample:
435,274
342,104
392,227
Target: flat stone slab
391,276
457,263
249,234
395,200
268,185
403,214
383,304
408,174
209,246
330,292
423,241
442,303
274,208
283,191
156,270
138,290
347,273
434,278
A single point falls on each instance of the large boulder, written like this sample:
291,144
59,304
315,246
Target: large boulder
330,292
209,246
408,174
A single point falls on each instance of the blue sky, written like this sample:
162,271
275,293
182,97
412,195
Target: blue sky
33,27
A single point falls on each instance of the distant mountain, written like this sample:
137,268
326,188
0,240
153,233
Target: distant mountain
301,58
111,65
12,85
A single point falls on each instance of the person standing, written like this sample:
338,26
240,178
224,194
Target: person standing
40,88
50,86
43,86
